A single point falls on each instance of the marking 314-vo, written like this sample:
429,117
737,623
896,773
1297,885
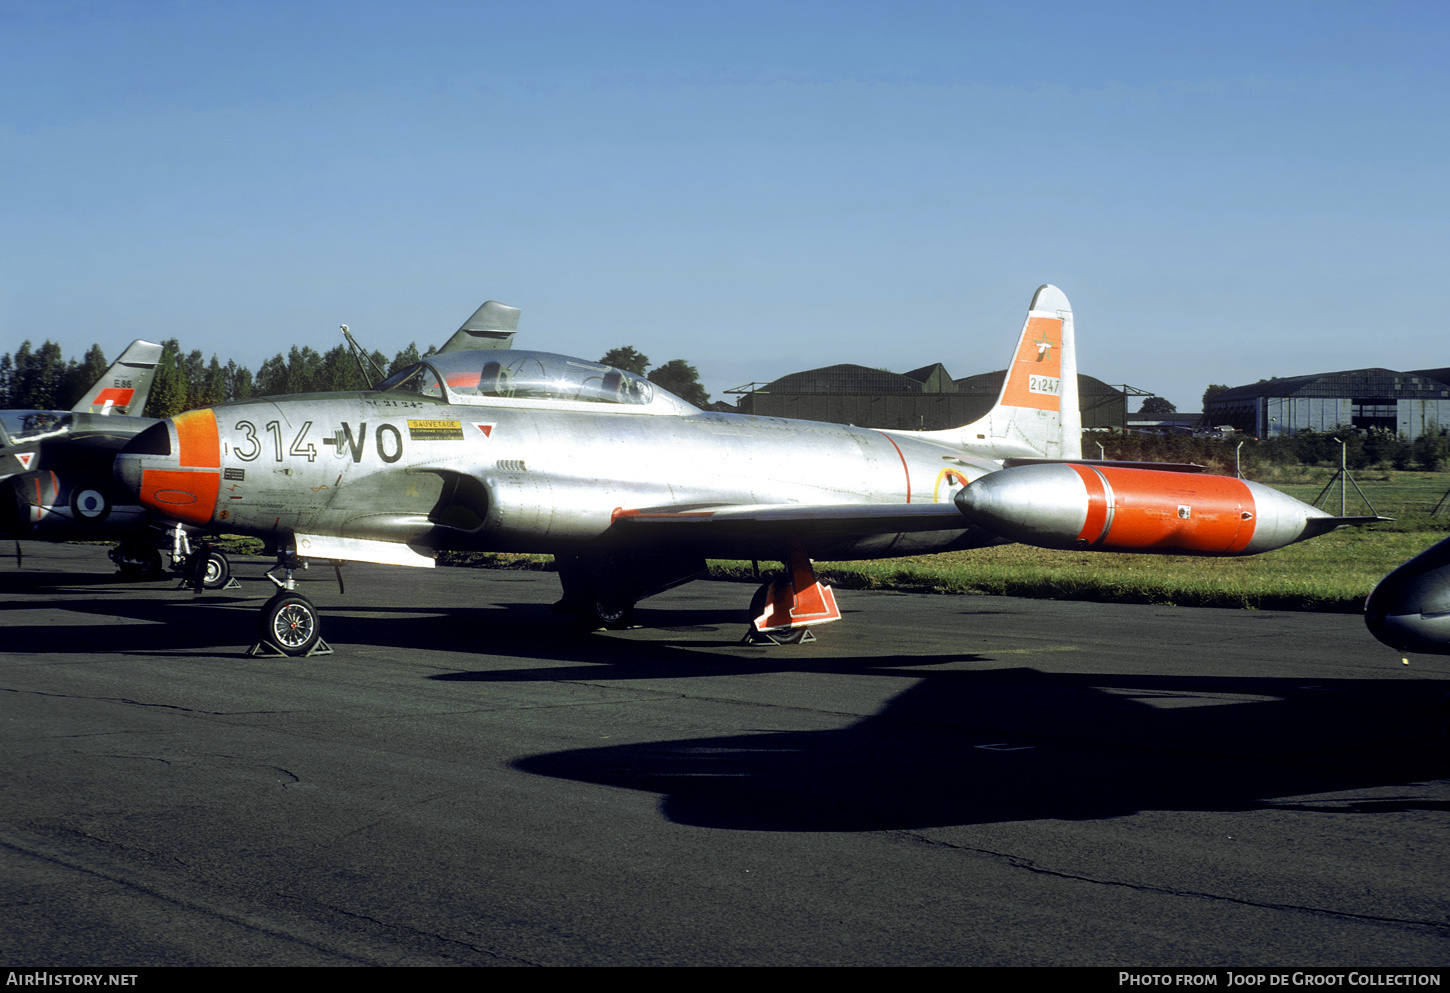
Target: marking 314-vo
387,441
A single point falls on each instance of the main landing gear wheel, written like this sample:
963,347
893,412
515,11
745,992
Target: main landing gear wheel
208,568
137,561
290,624
754,636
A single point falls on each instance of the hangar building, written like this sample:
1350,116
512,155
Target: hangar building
925,399
1408,403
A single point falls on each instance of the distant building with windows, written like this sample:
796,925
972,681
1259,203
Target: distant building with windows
1407,403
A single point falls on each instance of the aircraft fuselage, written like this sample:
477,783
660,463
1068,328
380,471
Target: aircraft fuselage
542,476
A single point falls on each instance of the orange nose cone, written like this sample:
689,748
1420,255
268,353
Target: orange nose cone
188,493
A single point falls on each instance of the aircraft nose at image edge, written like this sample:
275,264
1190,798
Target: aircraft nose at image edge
1409,609
175,467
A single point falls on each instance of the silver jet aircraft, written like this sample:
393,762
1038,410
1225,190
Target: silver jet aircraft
631,488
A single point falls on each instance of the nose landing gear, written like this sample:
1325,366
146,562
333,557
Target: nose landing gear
289,625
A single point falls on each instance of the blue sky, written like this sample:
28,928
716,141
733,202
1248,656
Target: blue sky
1226,191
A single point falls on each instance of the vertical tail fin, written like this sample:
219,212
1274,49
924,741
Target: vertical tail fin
1037,414
124,387
492,325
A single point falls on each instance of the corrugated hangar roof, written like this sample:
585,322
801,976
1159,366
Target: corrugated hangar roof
1349,383
844,378
1438,375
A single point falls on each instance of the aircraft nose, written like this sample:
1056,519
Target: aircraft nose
174,467
1409,609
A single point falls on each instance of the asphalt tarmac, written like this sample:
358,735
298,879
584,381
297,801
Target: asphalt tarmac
936,781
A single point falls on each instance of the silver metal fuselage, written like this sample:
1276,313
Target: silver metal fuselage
550,475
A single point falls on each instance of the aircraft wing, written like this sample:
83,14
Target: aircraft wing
792,520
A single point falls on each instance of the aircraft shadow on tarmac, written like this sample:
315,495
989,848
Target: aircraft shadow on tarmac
37,581
1020,744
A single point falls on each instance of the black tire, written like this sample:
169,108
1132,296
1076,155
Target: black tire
208,568
218,571
290,623
616,615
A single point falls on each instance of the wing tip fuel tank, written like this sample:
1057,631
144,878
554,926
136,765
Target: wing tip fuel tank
1105,508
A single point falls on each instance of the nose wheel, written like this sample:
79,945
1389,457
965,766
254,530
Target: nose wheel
289,625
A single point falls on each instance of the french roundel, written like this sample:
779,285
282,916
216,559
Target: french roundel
91,505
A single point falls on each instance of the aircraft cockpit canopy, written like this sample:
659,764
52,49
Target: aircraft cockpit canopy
31,425
478,376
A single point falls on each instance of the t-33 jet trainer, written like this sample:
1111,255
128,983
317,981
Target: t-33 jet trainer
631,488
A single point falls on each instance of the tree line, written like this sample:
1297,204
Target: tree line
676,375
43,379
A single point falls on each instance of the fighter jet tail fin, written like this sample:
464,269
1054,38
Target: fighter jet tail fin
492,325
1037,413
124,387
